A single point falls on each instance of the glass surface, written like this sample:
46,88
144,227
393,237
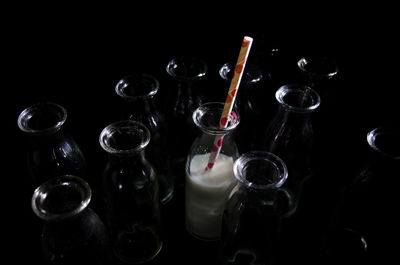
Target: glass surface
207,191
131,193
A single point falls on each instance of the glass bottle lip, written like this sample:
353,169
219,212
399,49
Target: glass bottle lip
303,95
321,67
71,191
124,137
187,68
207,118
51,114
273,162
137,87
385,141
252,74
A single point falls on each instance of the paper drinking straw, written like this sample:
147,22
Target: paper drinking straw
230,99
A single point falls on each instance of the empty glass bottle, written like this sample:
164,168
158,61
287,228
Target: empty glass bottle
72,232
51,152
290,136
138,92
252,214
131,193
184,98
252,103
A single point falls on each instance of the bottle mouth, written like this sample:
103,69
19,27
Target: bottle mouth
187,68
124,137
298,98
42,118
252,75
385,141
137,87
260,170
207,118
61,197
318,67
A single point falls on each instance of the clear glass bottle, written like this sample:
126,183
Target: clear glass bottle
251,104
138,92
52,151
366,203
184,97
131,193
252,214
290,136
72,233
207,191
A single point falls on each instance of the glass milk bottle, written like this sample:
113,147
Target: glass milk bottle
131,193
206,192
72,232
251,217
52,151
138,92
290,136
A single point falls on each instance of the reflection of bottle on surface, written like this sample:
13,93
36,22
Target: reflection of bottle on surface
131,193
207,191
52,152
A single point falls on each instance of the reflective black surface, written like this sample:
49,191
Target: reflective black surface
79,67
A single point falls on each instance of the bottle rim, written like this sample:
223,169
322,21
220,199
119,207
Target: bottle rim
187,61
42,110
60,184
387,133
125,86
123,128
212,111
302,91
322,63
241,164
252,74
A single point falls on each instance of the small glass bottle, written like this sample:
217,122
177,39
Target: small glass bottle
184,97
207,191
366,204
131,193
290,136
138,92
72,232
52,152
251,104
251,217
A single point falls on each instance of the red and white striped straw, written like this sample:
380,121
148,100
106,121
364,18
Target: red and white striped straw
230,99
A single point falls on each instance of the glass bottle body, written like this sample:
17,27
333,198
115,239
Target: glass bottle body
290,136
138,92
51,152
72,233
251,217
131,193
206,192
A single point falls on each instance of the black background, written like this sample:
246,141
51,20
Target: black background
75,60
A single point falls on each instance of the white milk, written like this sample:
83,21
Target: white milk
206,195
